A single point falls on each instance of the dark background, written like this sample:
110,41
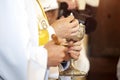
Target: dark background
104,42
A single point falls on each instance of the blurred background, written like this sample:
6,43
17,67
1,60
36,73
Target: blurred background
104,42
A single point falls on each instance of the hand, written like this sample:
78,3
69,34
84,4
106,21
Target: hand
66,27
72,4
74,50
56,53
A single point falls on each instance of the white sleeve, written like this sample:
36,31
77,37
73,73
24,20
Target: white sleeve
37,64
53,72
94,3
39,54
13,40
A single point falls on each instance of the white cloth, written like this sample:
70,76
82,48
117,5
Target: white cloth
118,69
82,3
94,3
37,66
53,73
49,4
13,40
20,56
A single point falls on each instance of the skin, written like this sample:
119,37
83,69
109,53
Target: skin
52,15
72,4
55,58
64,27
68,28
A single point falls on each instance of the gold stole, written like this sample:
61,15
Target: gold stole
42,28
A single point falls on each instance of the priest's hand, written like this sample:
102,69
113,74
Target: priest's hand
56,53
73,51
66,27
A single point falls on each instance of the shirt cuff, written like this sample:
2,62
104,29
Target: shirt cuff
53,72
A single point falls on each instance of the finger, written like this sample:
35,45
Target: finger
75,29
62,40
76,48
70,18
67,57
74,54
74,23
65,49
78,43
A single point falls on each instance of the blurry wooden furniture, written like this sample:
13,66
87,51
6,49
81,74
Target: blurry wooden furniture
104,42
